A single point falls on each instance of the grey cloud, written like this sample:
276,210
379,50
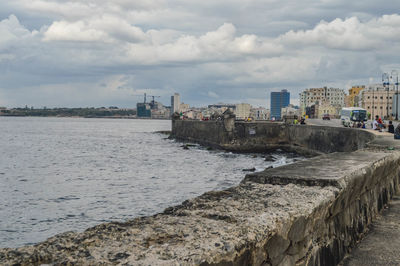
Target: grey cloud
84,53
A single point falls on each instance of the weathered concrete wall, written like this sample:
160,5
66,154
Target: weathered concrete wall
366,180
197,131
264,136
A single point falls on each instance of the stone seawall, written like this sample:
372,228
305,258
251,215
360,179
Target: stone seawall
366,181
264,136
307,213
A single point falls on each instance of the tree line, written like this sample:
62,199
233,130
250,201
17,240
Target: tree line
69,112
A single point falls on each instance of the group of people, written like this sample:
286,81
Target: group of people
359,124
301,122
378,124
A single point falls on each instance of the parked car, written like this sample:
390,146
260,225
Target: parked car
326,117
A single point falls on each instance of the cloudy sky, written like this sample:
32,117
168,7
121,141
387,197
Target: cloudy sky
100,53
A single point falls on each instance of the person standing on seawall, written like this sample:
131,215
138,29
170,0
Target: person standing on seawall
375,124
397,132
391,127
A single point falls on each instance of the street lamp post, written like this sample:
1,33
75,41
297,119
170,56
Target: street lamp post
394,72
385,76
373,104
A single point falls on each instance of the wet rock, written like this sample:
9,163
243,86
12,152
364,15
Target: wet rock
165,132
190,145
269,158
249,169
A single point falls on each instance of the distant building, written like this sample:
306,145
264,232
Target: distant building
310,96
325,108
347,101
3,110
259,113
175,103
396,101
242,110
290,110
194,113
315,96
143,110
184,107
278,101
218,109
223,106
352,98
378,100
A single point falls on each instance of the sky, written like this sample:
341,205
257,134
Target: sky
86,53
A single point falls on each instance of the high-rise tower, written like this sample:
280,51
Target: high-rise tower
278,101
175,103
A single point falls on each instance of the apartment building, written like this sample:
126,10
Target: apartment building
378,100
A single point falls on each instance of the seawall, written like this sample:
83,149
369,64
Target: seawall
307,213
265,136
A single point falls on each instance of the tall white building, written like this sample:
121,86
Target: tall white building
175,103
331,96
242,110
260,113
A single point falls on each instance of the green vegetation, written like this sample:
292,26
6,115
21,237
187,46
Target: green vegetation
112,111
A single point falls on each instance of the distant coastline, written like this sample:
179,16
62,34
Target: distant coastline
102,112
89,112
69,112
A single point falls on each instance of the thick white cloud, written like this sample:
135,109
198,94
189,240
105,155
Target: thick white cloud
349,34
11,30
98,29
76,31
225,49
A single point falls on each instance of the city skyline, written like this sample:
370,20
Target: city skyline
82,53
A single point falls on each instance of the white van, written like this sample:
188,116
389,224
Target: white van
349,115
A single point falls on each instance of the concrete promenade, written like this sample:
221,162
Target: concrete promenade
381,245
337,123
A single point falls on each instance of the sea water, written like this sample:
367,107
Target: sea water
62,174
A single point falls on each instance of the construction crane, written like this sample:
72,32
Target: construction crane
145,96
152,103
153,96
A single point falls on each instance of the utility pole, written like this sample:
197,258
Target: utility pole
394,72
373,105
385,76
